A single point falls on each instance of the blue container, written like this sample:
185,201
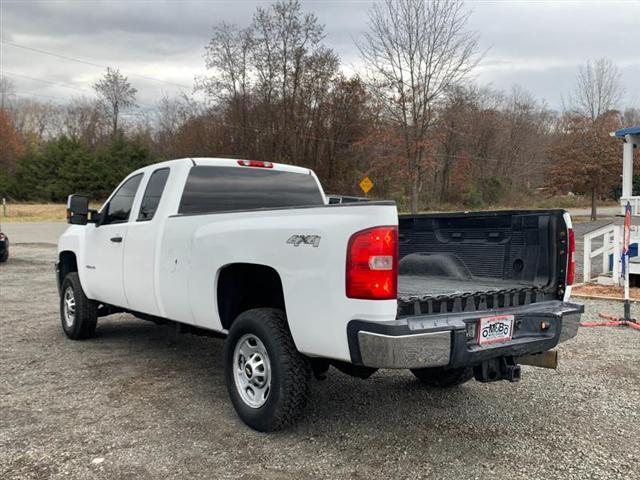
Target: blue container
633,252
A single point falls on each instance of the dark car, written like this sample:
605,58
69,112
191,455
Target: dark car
4,247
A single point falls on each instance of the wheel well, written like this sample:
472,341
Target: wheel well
243,286
68,264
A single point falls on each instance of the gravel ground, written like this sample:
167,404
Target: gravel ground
135,402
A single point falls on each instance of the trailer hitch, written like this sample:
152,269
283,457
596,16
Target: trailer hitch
494,369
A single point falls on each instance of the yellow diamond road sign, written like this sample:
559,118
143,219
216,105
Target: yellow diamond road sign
366,184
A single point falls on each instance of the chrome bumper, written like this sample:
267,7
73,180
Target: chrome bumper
442,340
405,351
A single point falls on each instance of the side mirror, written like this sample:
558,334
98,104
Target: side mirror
77,209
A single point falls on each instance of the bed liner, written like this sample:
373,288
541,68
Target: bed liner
473,261
419,295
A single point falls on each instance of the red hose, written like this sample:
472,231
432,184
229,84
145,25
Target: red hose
611,321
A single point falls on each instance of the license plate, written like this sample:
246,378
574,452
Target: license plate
495,329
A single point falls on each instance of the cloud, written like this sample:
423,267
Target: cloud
535,44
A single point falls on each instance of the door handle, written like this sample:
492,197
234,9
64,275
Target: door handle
116,239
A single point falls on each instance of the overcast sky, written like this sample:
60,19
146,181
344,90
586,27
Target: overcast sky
536,44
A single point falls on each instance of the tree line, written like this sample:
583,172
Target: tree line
410,119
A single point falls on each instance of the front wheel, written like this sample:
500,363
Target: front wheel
443,377
78,314
267,378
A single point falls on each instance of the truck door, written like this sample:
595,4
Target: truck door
105,243
140,252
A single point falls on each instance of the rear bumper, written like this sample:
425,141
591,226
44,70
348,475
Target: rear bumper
441,340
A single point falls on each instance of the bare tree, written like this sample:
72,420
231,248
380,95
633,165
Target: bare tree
172,114
7,92
228,54
415,50
84,119
631,117
287,47
117,94
271,82
35,120
597,89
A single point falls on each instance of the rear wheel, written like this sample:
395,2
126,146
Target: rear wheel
267,378
78,314
443,377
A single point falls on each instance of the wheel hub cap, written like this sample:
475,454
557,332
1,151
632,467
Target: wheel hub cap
69,307
252,371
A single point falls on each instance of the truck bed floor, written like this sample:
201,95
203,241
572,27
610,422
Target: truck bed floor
411,287
422,294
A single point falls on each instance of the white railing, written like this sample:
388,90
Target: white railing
635,204
610,245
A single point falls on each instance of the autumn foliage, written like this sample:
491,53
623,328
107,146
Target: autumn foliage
274,91
11,145
585,159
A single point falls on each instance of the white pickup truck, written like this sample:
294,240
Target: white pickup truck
253,251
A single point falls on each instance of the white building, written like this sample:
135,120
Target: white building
608,239
631,137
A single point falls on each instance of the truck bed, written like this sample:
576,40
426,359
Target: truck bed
479,261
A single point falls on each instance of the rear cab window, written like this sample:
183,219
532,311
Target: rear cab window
152,194
211,189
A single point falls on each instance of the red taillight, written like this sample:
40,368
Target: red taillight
255,163
571,258
372,264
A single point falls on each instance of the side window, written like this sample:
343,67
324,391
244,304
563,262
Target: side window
152,194
119,207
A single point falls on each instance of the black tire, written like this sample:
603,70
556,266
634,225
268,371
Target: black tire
5,255
443,377
289,371
82,324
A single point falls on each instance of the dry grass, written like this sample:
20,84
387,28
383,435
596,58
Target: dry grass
594,290
33,212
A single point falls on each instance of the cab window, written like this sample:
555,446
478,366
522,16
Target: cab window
152,194
119,207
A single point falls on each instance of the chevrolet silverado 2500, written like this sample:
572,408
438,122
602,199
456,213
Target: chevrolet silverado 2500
253,251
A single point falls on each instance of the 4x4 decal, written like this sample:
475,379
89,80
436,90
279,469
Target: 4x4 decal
297,240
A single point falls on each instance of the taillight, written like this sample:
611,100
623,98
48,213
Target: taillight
255,163
372,264
571,258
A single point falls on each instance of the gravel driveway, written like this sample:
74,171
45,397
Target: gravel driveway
136,402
